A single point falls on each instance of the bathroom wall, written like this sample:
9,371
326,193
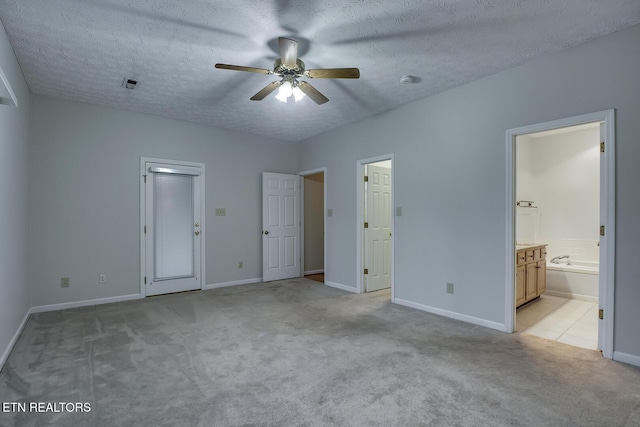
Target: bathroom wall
560,172
526,218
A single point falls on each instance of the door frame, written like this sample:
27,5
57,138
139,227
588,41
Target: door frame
607,196
143,213
302,174
360,165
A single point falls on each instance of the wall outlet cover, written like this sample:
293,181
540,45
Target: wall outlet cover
449,288
103,278
65,282
221,211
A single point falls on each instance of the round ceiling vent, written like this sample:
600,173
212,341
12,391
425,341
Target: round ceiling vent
409,79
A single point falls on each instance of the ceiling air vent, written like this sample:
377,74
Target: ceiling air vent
129,83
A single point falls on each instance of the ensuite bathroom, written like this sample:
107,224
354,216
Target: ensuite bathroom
557,221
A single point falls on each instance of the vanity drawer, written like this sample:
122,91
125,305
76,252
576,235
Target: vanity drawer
520,257
536,254
529,255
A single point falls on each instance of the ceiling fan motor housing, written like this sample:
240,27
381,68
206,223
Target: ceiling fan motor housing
288,71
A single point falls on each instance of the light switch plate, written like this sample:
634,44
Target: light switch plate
329,212
398,211
221,211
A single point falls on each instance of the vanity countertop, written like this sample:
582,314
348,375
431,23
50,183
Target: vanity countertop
522,246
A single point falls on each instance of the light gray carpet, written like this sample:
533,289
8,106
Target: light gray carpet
298,353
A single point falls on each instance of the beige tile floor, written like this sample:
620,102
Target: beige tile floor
569,321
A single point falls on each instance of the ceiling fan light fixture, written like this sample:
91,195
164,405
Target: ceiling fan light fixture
284,92
289,68
298,94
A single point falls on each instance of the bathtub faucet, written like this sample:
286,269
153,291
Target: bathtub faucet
556,260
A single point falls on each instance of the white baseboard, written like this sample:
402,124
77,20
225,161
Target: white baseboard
452,315
76,304
14,339
341,287
626,358
571,296
233,283
321,271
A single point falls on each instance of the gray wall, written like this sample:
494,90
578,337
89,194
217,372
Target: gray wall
314,222
14,182
84,198
450,177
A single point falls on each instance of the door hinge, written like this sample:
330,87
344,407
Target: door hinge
366,178
602,230
145,229
602,147
145,280
600,314
366,225
366,271
145,178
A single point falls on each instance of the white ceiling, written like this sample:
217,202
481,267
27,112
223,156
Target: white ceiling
82,50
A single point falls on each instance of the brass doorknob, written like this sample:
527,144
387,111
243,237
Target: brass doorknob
197,233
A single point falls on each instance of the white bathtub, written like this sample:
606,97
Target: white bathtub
577,280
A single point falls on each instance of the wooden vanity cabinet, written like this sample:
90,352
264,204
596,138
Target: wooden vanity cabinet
531,273
520,286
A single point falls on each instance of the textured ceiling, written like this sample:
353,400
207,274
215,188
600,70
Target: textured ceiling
82,50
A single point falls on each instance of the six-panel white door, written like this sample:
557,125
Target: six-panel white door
280,226
378,235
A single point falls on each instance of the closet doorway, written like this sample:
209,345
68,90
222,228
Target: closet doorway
313,202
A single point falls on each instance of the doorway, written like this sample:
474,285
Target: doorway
172,226
560,230
558,217
313,224
375,224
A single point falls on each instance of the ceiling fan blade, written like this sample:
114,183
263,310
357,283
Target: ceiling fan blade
241,68
313,93
333,73
288,50
266,91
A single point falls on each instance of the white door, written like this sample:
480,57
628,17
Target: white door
280,226
173,228
602,258
377,232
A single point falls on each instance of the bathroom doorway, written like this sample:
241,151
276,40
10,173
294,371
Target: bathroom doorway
558,212
560,236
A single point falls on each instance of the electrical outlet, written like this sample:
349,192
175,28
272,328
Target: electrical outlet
221,211
240,264
103,278
65,282
449,288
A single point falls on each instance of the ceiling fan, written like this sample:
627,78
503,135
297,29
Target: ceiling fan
290,68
